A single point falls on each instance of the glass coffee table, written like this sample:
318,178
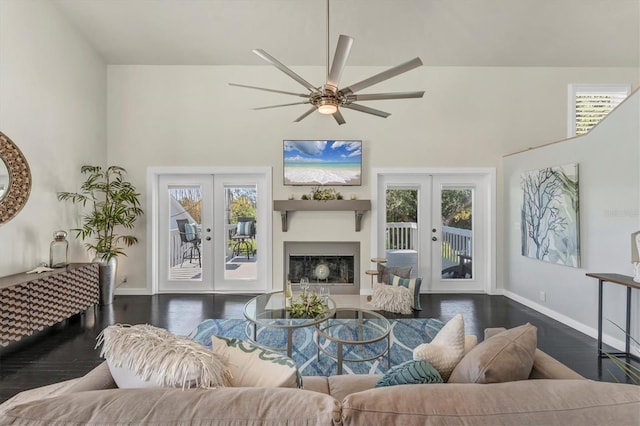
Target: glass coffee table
269,311
354,327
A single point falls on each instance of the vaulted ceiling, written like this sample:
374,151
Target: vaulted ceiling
557,33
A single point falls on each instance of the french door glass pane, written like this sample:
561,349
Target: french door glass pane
401,228
457,233
241,255
185,230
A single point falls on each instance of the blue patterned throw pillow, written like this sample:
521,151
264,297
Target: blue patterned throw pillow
413,284
413,372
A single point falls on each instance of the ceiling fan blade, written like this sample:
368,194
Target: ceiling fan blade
339,60
302,95
282,105
282,67
385,75
384,96
367,110
312,109
339,118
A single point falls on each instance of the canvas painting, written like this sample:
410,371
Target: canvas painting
550,215
323,162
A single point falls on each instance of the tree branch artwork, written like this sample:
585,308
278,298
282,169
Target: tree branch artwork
550,215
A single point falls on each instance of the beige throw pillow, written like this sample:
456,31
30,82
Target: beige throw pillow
446,349
505,357
254,366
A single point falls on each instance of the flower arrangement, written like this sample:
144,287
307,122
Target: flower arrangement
322,194
308,305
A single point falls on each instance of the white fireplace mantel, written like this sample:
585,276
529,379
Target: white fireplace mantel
286,206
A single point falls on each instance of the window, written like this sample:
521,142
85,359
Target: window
590,103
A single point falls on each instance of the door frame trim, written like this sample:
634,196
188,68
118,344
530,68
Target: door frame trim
489,181
153,175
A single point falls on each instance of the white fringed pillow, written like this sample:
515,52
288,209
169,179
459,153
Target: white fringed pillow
395,299
146,356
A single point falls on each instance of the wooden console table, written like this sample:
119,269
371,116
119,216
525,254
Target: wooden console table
629,283
31,302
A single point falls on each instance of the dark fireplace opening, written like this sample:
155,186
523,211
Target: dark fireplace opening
334,269
336,264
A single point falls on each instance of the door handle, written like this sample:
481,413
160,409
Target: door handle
434,238
208,238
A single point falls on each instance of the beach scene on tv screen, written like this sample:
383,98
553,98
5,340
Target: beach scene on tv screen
324,162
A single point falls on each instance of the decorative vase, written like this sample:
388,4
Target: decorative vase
59,250
107,278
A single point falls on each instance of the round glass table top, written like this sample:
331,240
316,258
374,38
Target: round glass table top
270,310
355,326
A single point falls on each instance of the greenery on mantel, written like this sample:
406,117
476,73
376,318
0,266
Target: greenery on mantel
114,203
322,194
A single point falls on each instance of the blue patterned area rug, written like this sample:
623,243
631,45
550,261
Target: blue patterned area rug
406,334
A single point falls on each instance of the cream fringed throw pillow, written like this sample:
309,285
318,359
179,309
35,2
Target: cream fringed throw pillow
145,356
389,298
446,349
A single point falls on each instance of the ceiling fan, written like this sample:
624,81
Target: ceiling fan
329,98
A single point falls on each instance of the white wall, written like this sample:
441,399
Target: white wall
609,177
469,117
53,106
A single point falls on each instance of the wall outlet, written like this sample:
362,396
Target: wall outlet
543,296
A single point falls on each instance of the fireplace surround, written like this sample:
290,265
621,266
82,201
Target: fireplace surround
332,263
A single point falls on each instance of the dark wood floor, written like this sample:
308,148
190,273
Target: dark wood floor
67,350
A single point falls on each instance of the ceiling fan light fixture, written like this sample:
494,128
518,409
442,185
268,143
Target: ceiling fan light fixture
328,107
327,99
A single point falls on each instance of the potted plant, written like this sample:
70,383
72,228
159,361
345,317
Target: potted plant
114,205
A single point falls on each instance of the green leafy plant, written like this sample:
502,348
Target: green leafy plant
114,203
322,194
631,371
309,305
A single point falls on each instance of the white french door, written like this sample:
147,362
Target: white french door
436,224
199,249
185,257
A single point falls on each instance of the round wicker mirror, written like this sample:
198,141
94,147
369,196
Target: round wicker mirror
15,185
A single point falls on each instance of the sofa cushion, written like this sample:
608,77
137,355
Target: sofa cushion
341,386
413,284
528,402
392,299
399,271
505,357
168,406
446,349
254,366
410,372
146,356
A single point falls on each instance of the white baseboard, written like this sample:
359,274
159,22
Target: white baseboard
589,331
131,291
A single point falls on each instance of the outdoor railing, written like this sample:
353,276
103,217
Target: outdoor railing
403,236
455,242
175,254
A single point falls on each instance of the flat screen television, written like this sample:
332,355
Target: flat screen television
323,162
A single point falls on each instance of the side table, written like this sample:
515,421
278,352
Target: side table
629,283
